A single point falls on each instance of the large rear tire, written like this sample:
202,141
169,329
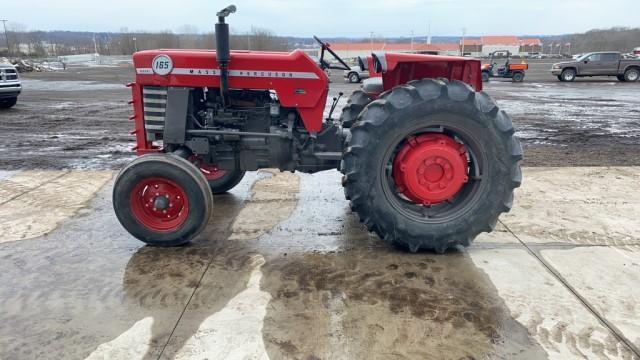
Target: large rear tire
162,199
423,123
358,100
8,103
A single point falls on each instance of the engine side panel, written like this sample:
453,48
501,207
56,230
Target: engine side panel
295,77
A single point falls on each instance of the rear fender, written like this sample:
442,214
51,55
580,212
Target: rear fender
397,69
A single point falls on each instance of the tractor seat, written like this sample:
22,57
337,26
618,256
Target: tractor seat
373,86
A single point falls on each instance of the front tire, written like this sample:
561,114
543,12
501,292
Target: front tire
8,103
485,76
162,199
354,78
568,75
437,120
631,75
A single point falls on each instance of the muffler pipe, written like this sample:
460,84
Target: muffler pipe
223,52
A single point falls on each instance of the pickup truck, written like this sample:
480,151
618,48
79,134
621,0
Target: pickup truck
598,64
355,74
10,86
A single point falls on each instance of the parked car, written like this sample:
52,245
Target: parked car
598,64
10,86
637,51
355,74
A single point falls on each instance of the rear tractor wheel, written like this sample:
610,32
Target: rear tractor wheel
431,164
162,199
358,100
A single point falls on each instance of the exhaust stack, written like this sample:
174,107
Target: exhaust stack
222,50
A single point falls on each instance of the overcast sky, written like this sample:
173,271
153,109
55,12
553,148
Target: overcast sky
330,17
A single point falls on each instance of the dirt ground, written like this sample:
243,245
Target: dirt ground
78,119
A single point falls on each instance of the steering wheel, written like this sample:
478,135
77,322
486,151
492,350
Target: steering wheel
325,65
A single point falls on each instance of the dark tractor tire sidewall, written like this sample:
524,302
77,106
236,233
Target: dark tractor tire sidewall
8,103
226,182
518,77
354,78
368,151
568,75
356,103
485,76
181,172
631,75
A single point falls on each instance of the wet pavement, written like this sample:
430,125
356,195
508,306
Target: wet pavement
285,271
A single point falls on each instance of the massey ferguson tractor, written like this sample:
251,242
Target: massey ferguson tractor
429,161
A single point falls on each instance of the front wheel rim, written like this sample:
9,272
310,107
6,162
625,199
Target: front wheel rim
159,204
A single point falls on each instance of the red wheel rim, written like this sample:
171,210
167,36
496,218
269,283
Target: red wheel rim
210,172
430,168
159,204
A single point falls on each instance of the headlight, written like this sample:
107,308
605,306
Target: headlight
556,67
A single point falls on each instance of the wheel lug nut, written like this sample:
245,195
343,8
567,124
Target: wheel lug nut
164,211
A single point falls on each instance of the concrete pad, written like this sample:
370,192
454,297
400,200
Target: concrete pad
272,201
17,183
608,278
499,236
556,319
38,202
597,206
90,289
258,299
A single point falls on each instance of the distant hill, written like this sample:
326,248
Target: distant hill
53,43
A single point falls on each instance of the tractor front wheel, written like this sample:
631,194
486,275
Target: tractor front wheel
431,164
220,181
485,76
162,199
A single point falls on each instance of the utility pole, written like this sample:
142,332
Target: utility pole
429,33
464,32
411,40
6,38
371,40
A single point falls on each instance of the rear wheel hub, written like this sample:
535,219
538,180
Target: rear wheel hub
430,168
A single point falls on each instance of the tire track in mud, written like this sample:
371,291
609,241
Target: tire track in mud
583,339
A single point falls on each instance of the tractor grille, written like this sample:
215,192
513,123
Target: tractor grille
155,105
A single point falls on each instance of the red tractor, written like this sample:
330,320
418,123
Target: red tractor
429,161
